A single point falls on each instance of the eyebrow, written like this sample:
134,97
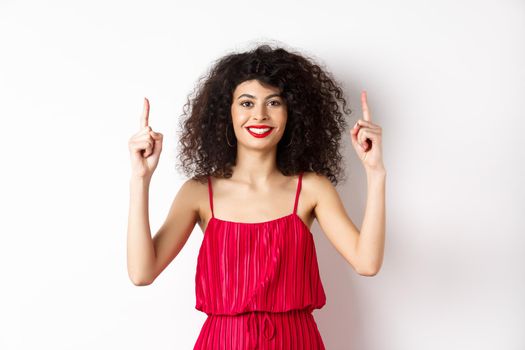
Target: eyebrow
267,97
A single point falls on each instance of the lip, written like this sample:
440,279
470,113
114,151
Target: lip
260,127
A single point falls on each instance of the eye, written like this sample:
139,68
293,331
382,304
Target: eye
272,102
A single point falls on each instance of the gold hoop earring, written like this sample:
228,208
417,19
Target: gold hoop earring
227,140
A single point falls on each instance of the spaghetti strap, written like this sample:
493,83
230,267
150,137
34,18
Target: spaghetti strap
210,194
297,192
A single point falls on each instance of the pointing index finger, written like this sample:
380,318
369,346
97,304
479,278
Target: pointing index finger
366,110
144,120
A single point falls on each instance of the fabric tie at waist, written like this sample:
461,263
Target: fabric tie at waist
251,324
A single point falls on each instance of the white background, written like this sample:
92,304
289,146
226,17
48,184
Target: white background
445,80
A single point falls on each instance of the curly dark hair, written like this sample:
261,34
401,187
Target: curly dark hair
314,126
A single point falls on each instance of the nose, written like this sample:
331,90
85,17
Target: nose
260,113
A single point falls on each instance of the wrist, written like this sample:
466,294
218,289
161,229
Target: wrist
376,173
136,179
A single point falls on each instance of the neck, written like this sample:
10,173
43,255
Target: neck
255,165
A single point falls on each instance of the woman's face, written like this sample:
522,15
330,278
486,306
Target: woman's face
257,105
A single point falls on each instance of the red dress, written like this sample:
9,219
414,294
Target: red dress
258,283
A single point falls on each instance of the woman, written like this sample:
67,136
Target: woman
261,137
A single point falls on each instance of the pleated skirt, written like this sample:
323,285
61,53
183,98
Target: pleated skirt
291,330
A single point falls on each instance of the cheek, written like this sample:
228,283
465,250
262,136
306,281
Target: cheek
239,118
236,115
283,122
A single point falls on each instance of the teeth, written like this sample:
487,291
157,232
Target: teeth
259,130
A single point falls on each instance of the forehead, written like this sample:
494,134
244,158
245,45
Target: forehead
255,88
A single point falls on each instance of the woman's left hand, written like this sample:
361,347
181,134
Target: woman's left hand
366,139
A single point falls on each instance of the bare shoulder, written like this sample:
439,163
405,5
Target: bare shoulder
315,185
199,193
195,192
184,204
189,188
312,188
193,186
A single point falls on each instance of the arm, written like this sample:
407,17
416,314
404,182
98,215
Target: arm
366,139
147,256
371,244
362,250
140,251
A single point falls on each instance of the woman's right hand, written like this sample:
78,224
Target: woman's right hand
145,147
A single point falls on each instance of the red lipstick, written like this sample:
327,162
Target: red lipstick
259,127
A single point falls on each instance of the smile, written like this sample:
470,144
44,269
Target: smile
260,132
